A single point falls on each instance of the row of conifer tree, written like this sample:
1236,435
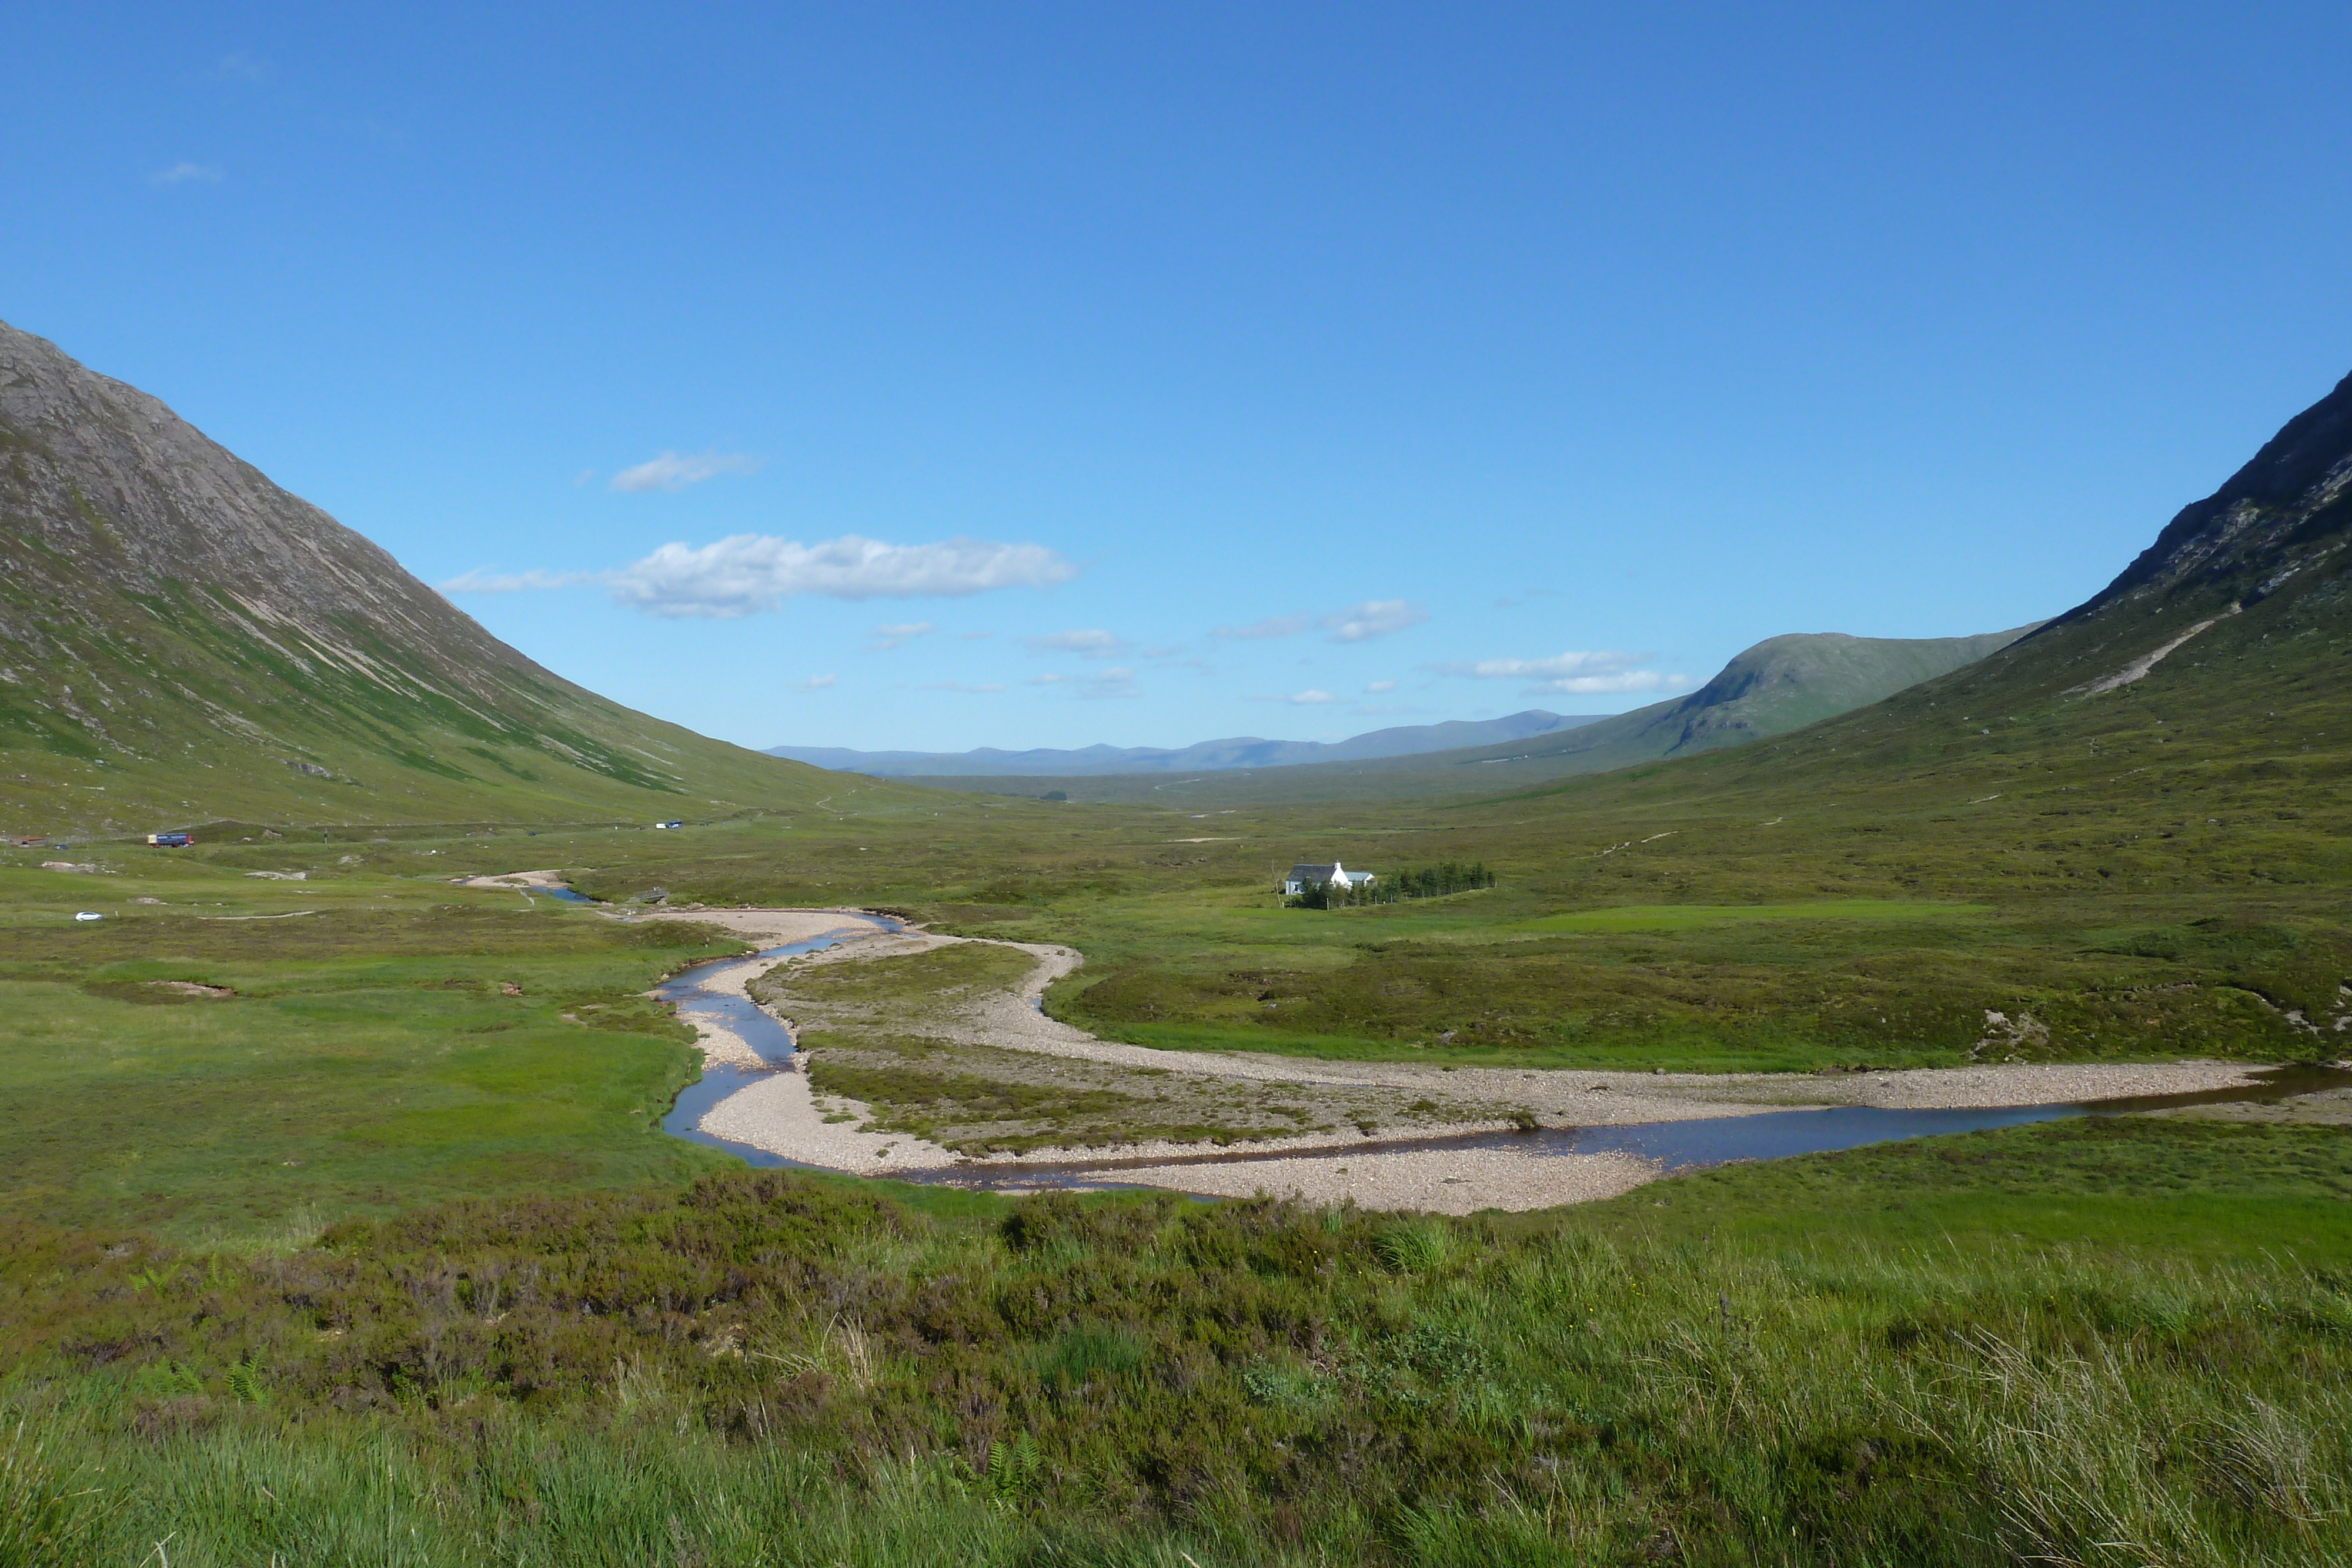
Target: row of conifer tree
1429,882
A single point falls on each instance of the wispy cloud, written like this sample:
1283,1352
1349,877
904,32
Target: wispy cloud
751,573
1374,618
1272,626
184,173
672,472
1308,698
961,686
1357,623
481,579
1091,645
1593,674
1378,688
815,684
886,637
1045,680
978,636
243,65
1118,681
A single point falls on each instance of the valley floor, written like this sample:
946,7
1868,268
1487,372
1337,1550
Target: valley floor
1369,1144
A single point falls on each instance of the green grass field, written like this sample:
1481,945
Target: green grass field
2039,1344
368,1058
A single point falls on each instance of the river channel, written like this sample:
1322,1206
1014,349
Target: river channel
1680,1145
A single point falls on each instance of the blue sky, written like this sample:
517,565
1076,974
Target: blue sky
1142,374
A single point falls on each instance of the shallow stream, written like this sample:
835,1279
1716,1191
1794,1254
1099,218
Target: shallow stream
753,1023
1677,1145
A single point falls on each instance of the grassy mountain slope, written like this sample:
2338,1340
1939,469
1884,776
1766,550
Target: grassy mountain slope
1780,684
181,639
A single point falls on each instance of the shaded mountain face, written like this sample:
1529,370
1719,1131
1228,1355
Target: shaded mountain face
1208,755
2203,693
2242,608
181,639
2286,513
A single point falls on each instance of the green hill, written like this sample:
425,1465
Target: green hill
1780,684
182,641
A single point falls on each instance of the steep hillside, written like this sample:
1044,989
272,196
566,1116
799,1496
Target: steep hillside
1780,684
1239,751
182,640
2224,652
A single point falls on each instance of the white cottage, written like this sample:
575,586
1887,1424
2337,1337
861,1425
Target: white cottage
1303,876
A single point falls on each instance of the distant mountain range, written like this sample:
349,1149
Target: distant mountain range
1241,751
182,641
1780,684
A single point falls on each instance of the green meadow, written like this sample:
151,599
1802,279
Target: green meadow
358,1044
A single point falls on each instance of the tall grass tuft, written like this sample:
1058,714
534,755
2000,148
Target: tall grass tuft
51,1512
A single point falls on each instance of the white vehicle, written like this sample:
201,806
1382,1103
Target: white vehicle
85,914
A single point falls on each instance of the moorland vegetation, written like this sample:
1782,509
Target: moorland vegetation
337,1225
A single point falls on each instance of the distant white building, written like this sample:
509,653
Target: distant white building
1303,877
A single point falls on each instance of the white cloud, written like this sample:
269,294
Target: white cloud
1590,685
1559,666
978,636
1374,618
1307,698
815,684
1045,680
1093,644
1574,675
886,637
481,579
181,173
671,472
1379,688
960,686
1358,623
751,573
